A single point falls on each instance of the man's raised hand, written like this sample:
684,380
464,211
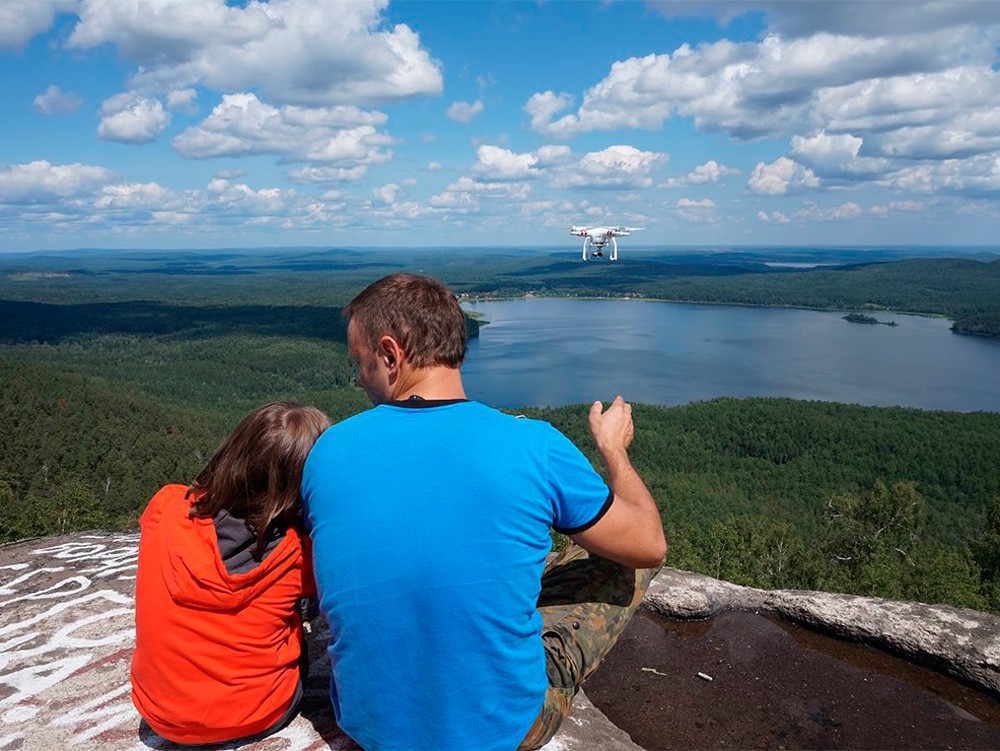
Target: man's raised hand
631,532
612,430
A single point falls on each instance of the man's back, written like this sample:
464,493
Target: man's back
430,526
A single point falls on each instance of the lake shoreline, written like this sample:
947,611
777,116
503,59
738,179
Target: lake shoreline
482,321
567,351
469,298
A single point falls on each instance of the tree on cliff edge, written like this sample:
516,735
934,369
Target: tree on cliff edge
987,554
873,544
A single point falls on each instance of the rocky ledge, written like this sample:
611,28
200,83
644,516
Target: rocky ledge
962,643
66,637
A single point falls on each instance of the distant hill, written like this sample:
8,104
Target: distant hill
848,279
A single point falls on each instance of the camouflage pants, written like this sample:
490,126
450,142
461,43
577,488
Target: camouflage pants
586,602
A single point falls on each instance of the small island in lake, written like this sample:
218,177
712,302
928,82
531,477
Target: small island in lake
862,318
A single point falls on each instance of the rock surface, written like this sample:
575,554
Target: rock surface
777,684
67,632
962,643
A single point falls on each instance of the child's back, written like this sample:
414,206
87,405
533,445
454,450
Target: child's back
218,634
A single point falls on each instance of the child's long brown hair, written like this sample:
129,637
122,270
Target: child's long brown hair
257,470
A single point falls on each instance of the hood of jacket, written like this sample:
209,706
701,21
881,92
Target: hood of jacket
189,558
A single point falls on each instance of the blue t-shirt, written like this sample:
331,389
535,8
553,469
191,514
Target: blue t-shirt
430,528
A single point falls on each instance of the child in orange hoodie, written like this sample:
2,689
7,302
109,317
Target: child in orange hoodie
222,566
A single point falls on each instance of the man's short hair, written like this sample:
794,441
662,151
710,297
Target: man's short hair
419,312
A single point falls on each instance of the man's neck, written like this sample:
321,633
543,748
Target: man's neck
432,383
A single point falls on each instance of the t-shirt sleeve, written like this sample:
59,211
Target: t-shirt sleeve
580,495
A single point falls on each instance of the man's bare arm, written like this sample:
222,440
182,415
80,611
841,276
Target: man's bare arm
630,533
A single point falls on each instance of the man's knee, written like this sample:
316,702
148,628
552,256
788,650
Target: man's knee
555,710
588,614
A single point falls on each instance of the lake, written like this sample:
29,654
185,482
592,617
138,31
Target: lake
549,352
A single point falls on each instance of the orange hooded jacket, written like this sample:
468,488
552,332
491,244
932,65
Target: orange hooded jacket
216,655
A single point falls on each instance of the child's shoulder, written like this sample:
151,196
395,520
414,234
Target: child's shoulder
169,496
172,493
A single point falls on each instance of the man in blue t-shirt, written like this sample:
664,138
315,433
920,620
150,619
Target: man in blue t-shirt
430,517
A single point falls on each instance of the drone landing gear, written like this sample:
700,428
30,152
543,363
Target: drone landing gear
598,250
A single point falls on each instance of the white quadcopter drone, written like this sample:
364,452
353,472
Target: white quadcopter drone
596,238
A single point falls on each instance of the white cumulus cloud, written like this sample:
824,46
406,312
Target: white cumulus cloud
467,195
81,198
20,20
496,163
908,207
543,106
781,177
465,112
690,203
829,152
241,124
172,217
775,216
697,211
709,172
840,16
182,100
43,182
904,96
845,211
242,198
133,196
619,166
813,213
754,89
387,193
131,118
328,174
973,176
55,101
548,155
309,52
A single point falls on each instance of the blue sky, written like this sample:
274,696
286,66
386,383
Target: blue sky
201,123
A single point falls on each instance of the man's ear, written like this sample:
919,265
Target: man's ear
390,352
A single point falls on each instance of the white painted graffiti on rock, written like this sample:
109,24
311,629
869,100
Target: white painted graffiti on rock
65,644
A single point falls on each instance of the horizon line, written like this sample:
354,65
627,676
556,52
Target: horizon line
526,248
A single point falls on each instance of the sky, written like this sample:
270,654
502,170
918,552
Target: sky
364,123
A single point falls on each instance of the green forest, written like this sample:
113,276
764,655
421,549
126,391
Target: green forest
123,372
